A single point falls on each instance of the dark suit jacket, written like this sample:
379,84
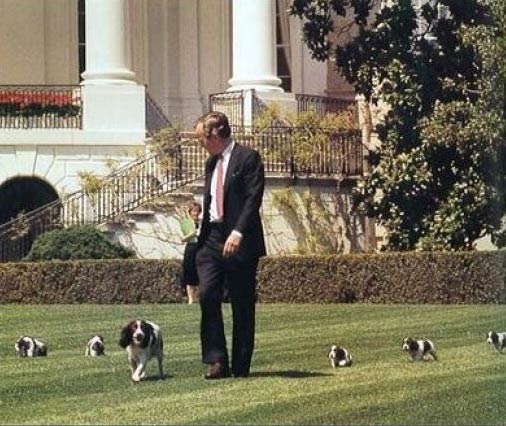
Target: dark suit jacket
243,192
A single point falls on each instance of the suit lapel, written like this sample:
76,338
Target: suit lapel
209,174
232,164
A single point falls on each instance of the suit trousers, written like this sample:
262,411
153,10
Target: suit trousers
217,273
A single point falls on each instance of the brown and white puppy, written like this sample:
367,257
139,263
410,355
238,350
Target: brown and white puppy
339,357
30,347
95,346
143,340
498,340
418,349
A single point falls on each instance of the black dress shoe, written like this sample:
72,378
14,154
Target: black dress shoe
216,371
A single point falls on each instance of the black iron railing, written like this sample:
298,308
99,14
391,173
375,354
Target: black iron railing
36,107
293,152
155,117
129,187
296,152
230,103
239,104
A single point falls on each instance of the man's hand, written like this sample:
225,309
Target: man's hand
232,244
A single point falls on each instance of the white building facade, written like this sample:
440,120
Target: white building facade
103,58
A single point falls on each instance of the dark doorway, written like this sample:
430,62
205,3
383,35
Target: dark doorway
24,194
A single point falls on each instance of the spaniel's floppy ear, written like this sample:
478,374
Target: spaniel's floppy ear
126,337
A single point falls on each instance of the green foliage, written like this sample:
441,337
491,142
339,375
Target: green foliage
91,281
437,179
313,137
76,242
465,277
311,221
167,143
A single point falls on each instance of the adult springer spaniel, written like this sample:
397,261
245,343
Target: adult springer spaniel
143,340
30,347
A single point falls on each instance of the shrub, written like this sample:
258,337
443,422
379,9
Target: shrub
441,278
76,242
91,281
412,277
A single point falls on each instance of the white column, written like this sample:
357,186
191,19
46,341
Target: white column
254,46
107,59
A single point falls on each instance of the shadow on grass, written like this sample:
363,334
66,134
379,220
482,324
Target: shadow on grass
289,374
155,378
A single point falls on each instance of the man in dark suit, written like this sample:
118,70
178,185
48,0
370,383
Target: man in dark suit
230,244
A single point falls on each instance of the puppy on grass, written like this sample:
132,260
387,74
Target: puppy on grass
419,349
30,347
339,357
497,340
95,346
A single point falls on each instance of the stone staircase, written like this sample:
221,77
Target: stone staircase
126,189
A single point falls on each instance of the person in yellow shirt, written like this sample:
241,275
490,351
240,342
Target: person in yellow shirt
190,228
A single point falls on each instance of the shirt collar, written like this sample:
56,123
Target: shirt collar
226,152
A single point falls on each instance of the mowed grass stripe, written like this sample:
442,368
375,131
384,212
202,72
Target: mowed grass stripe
291,380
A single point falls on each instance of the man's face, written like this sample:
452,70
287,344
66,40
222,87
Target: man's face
213,144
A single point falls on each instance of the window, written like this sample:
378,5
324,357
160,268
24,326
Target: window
81,16
283,46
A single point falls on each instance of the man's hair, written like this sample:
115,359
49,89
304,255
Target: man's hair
215,123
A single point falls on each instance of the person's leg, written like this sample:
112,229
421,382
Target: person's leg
192,291
212,335
242,296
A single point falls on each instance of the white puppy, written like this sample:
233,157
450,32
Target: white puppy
142,340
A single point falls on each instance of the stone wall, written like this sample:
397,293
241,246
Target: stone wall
303,216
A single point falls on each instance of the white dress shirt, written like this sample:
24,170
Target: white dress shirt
213,211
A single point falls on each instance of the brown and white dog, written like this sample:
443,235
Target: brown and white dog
339,357
498,340
95,346
30,347
143,340
418,349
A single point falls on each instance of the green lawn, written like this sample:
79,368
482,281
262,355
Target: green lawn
291,380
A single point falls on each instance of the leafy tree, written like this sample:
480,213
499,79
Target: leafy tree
436,179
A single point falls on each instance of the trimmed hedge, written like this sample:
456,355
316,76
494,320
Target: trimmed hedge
414,277
91,281
465,277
